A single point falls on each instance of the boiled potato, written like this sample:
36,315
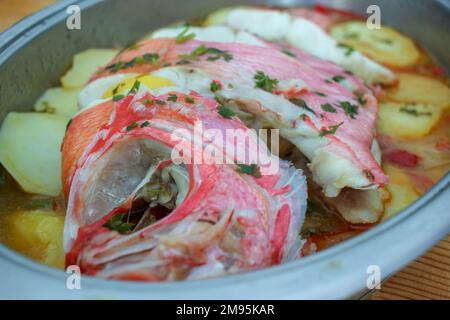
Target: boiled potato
36,234
384,45
85,64
416,88
58,100
407,120
402,193
30,150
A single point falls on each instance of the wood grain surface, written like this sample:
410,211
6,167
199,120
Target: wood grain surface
426,278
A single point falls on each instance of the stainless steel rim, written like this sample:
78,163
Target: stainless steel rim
17,37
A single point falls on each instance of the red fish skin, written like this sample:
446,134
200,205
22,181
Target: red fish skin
355,136
110,121
79,134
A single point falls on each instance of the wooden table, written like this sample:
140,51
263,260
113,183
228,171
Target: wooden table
426,278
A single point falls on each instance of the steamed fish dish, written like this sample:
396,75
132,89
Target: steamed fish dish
253,137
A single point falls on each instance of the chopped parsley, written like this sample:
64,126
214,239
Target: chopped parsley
361,100
302,104
214,54
264,82
132,126
116,223
188,99
328,108
320,94
330,130
251,169
348,49
184,36
215,86
414,112
183,62
145,124
172,97
150,57
135,87
120,65
338,78
225,112
147,102
289,53
118,97
350,109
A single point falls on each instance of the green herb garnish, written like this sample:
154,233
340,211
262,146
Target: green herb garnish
330,130
118,97
160,102
184,36
135,87
151,57
116,223
251,169
147,102
361,100
264,82
225,112
215,86
350,110
348,49
188,99
145,124
302,104
321,94
328,108
120,65
172,98
132,126
183,62
201,50
289,53
338,78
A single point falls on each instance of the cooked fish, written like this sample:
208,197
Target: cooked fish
136,213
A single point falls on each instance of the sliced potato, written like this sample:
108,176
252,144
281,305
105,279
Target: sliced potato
384,45
85,64
416,88
36,234
406,120
58,100
402,192
30,150
151,82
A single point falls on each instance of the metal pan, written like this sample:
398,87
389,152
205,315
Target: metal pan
35,52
